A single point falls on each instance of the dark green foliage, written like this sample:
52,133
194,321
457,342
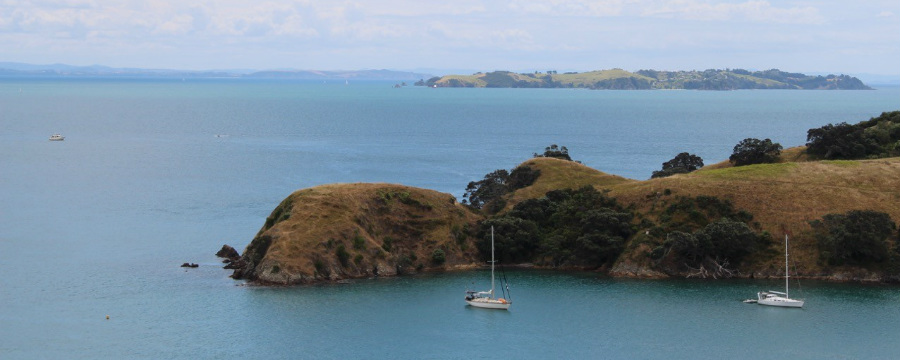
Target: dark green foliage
282,212
403,264
492,187
689,214
320,267
342,255
555,151
755,151
721,240
856,237
387,243
487,193
581,227
515,240
704,229
521,177
682,163
460,233
438,257
257,249
358,259
359,242
728,239
875,138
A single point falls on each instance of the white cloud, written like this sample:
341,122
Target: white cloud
459,33
595,8
754,11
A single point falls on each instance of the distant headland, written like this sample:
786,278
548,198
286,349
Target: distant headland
618,79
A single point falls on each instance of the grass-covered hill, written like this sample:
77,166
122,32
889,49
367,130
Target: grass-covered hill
340,231
618,79
333,232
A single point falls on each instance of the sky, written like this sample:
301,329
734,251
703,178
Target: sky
826,36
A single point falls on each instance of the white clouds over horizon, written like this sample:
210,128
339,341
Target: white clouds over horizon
477,34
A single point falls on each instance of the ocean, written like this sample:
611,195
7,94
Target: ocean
157,172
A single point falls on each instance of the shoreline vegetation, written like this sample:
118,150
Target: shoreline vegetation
618,79
837,198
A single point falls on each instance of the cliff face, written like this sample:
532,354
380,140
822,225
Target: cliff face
341,231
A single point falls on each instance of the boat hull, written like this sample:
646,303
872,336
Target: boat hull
780,302
489,304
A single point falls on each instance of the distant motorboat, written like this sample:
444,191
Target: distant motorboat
57,137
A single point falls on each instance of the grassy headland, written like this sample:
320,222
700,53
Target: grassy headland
342,231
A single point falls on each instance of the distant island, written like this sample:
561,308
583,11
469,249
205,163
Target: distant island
837,199
618,79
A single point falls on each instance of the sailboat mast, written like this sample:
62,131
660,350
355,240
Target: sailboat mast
492,261
786,284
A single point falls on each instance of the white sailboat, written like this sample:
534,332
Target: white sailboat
485,299
777,298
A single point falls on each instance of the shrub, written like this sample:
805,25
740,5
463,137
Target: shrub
438,257
855,237
387,243
342,255
359,242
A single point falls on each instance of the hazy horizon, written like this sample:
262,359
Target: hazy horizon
820,37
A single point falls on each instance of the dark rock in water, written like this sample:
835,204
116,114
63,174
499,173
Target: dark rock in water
232,260
190,265
236,264
228,252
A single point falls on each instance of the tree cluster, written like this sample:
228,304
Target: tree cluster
487,194
681,164
875,138
856,237
704,231
755,151
555,151
582,227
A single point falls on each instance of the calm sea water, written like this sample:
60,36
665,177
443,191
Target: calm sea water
154,173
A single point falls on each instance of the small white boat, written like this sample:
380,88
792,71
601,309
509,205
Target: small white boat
57,137
777,298
485,299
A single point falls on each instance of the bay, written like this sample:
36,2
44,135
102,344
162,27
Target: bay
154,173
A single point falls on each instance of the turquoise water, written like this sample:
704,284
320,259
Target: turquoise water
97,224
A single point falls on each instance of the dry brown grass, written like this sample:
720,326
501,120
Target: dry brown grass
785,195
561,174
325,217
782,196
